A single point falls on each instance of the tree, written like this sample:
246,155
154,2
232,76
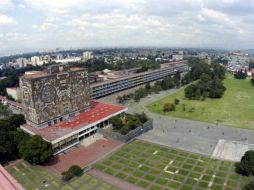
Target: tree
142,117
148,86
168,107
249,186
66,176
252,81
120,99
240,75
246,165
16,120
75,170
217,89
167,83
177,101
116,122
35,150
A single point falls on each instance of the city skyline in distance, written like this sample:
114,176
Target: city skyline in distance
27,25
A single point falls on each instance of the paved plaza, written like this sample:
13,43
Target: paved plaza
231,150
193,136
156,167
81,155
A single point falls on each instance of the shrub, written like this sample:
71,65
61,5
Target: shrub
75,170
177,101
168,107
66,176
249,186
252,81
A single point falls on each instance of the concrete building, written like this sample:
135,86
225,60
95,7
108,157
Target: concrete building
128,80
87,55
35,60
177,57
21,62
54,95
14,93
57,106
238,61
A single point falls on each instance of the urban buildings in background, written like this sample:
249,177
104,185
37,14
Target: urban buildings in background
87,55
238,61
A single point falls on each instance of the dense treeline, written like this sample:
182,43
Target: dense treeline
209,82
14,143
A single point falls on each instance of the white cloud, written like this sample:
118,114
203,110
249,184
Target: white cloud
22,6
6,20
197,23
4,4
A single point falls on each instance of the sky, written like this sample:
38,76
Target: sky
48,24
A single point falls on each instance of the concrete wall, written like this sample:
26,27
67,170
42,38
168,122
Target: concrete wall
131,135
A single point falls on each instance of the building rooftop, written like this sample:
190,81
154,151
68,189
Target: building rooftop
7,182
97,112
123,74
37,74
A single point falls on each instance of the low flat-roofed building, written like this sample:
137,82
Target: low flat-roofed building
66,134
129,80
7,182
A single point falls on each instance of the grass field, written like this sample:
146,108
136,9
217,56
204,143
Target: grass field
155,167
234,109
33,177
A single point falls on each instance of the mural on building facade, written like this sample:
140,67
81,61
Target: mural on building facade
63,91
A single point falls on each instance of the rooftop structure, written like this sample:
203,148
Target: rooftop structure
7,182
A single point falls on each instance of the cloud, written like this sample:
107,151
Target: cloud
22,6
79,23
6,20
4,4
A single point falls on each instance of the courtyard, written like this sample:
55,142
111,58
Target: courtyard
156,167
35,177
234,109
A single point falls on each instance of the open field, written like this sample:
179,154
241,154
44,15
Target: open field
34,177
156,167
235,109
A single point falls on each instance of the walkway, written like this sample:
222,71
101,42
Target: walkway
121,184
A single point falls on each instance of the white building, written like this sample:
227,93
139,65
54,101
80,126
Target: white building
35,60
238,61
21,62
177,57
87,55
14,93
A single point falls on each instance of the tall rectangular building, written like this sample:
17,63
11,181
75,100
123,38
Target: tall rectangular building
54,95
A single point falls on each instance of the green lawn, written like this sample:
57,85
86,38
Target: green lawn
34,177
235,109
156,167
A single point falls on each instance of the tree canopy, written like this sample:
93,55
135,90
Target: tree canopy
35,150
